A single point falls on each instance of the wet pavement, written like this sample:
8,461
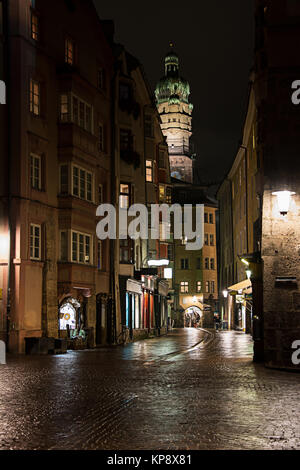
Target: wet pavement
190,390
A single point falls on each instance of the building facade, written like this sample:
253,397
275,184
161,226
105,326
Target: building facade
196,276
278,119
172,96
82,130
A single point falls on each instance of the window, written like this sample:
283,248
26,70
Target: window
199,286
100,194
169,196
34,26
64,108
81,248
206,218
162,160
198,264
64,179
124,196
212,287
35,97
184,287
206,263
148,126
64,246
170,253
35,242
35,172
149,171
99,255
82,184
100,138
207,287
212,263
124,92
206,239
184,263
73,109
211,218
101,79
69,51
162,193
211,240
125,251
126,140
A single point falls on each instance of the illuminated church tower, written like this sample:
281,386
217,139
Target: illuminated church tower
172,98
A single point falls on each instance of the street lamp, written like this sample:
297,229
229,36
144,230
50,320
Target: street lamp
283,200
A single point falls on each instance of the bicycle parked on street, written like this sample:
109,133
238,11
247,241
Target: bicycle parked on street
123,337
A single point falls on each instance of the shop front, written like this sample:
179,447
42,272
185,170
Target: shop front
162,307
240,306
133,318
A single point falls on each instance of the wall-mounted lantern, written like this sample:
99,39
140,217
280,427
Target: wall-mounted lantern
248,273
283,200
225,294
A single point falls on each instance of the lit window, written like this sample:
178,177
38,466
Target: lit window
81,248
161,193
35,172
124,196
64,108
69,51
207,287
34,26
35,242
34,97
199,286
184,287
82,184
149,171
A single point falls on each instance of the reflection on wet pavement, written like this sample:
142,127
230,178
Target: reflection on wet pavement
163,393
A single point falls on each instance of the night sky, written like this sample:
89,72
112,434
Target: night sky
214,40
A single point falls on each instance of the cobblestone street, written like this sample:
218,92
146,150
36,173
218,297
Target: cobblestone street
164,393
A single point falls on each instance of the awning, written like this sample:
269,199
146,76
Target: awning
243,285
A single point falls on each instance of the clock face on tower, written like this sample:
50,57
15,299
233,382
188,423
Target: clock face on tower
172,99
